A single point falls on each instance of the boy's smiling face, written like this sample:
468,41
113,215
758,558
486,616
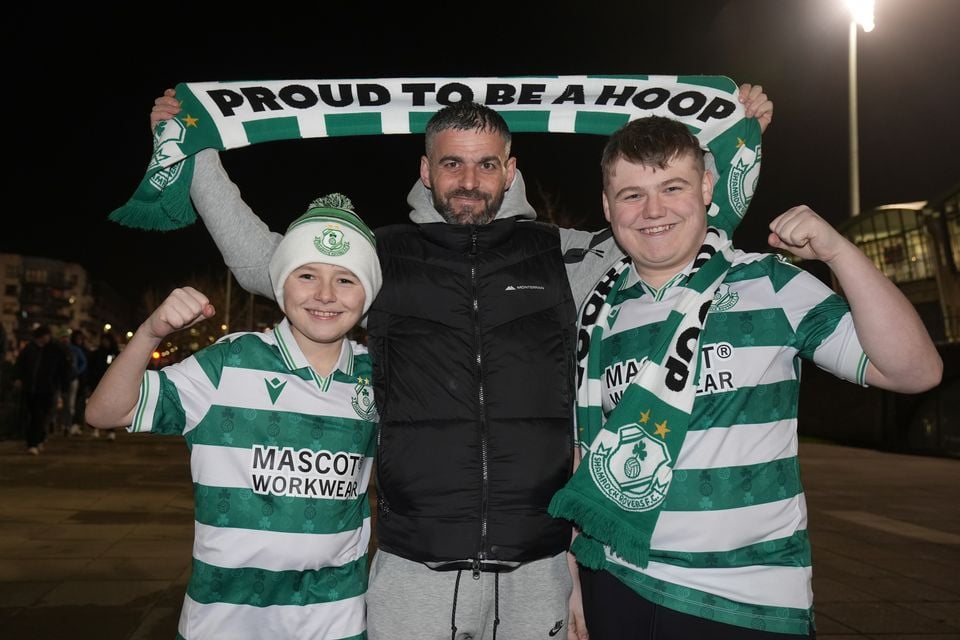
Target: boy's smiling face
322,302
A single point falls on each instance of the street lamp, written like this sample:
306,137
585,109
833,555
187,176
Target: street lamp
861,13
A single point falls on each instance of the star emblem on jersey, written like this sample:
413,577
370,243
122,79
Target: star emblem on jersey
274,388
635,470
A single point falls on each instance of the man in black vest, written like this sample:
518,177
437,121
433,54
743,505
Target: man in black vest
472,337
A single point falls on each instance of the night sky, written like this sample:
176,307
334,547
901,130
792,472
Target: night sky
77,108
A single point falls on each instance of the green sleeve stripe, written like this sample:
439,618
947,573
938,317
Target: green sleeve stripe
862,369
137,425
819,323
211,359
263,588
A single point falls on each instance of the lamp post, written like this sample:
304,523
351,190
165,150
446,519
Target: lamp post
861,13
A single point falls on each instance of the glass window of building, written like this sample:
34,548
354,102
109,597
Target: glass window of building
895,241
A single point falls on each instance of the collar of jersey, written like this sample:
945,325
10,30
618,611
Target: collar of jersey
294,359
634,280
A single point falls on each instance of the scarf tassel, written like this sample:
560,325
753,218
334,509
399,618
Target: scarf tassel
602,525
163,208
152,216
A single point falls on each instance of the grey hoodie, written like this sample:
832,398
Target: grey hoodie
247,243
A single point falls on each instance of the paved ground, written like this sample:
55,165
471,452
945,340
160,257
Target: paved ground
95,541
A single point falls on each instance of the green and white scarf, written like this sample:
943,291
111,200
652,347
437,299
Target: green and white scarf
616,494
230,115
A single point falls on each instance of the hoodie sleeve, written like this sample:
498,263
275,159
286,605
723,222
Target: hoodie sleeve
245,242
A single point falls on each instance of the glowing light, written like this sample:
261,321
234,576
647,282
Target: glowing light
156,355
862,13
107,327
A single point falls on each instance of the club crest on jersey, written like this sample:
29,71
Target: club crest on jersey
363,400
330,242
635,472
742,179
724,299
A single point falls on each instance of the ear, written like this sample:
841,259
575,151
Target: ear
511,172
606,207
706,187
425,171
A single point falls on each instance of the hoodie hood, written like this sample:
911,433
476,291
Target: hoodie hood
514,205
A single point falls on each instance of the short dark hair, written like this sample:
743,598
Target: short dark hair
653,141
41,330
467,116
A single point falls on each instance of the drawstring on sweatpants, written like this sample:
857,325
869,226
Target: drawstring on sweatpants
496,604
453,616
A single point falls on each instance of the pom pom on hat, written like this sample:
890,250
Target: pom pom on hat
330,233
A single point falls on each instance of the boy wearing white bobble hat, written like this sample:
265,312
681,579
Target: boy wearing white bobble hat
281,428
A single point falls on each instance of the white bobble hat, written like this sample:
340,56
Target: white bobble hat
330,233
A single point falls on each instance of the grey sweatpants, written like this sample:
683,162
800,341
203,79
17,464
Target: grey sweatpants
407,600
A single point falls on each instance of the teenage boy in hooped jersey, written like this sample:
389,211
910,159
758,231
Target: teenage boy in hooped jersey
688,496
281,430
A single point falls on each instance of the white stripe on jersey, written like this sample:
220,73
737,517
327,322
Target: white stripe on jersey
706,531
278,551
338,619
146,403
738,445
841,353
761,584
247,389
193,388
230,467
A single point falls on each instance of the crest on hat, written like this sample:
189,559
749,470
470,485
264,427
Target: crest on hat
331,242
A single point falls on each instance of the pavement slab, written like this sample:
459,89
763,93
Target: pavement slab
96,537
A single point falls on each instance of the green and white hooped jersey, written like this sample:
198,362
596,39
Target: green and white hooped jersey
280,460
731,542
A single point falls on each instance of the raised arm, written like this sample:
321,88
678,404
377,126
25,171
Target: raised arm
243,239
115,398
902,355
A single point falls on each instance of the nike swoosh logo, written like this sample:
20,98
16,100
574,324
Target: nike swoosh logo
556,628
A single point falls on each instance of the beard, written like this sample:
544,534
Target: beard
469,214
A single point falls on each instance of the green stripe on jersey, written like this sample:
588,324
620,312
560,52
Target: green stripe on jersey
792,551
242,508
733,487
819,324
243,428
749,405
705,605
755,328
262,588
779,273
